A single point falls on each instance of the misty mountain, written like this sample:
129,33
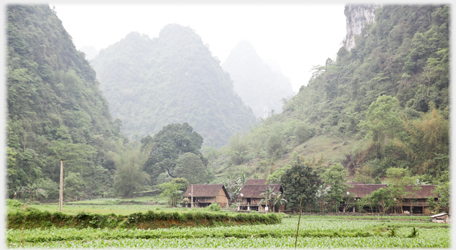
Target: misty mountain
174,78
55,108
259,84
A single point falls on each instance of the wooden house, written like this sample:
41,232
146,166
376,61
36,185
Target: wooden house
251,194
204,195
416,197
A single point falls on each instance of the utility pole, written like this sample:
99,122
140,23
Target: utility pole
61,187
191,193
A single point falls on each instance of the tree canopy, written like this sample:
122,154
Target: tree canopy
298,182
168,145
190,167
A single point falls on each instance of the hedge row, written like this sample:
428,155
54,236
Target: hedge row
149,220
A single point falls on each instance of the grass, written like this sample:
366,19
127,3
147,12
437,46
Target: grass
122,206
332,148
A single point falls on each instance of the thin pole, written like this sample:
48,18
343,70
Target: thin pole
191,193
267,203
61,187
299,220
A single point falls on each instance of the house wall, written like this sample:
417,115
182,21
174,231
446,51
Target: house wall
253,201
221,198
204,199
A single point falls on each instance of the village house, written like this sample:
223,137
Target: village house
415,199
251,194
205,195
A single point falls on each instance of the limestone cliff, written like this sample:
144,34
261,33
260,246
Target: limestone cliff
357,16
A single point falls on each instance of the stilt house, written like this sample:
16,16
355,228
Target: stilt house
205,195
416,197
251,194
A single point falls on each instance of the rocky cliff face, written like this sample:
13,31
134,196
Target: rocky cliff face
357,17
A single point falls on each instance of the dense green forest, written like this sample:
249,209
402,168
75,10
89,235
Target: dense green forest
174,78
260,86
383,104
55,111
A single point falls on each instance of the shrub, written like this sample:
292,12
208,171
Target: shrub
14,203
214,207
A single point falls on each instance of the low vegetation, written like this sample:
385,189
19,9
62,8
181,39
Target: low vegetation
150,220
316,232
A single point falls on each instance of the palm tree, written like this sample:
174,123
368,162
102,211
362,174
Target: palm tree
268,195
278,199
234,185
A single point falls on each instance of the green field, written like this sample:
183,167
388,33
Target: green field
123,206
315,232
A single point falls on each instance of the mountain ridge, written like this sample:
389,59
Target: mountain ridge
177,80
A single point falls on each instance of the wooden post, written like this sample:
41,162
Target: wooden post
61,187
191,194
299,221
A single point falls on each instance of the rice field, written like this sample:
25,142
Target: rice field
315,232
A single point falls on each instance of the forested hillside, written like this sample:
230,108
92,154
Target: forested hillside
259,86
55,111
151,83
383,104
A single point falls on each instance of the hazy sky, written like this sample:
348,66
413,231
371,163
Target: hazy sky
297,36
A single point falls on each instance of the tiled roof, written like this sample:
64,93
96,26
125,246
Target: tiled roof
205,190
254,191
361,190
424,192
255,182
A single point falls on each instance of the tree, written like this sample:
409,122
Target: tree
276,175
299,182
129,176
350,201
364,174
268,195
382,198
399,179
278,200
442,190
303,132
234,184
381,122
50,188
360,203
238,148
190,167
73,186
182,182
167,145
429,141
334,177
173,191
274,145
322,194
